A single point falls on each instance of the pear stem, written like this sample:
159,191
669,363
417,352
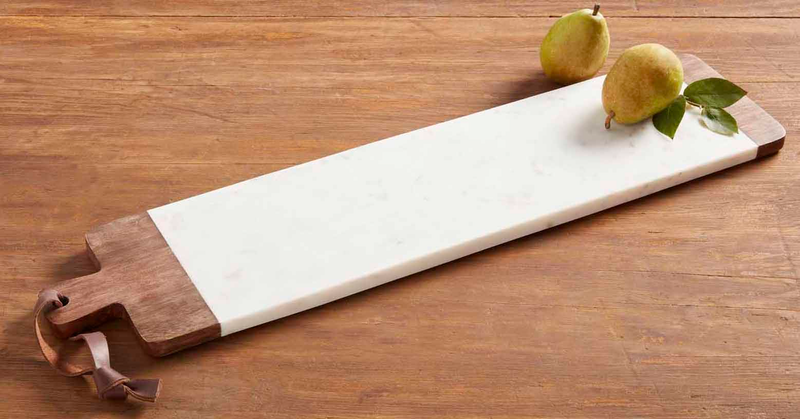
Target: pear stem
608,120
596,9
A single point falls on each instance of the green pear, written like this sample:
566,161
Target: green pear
575,47
644,80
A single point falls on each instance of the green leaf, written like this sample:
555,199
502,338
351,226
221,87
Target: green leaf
715,92
669,118
719,121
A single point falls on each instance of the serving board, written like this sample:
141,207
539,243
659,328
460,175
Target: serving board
275,245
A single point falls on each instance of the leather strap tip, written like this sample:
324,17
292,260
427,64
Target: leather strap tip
146,390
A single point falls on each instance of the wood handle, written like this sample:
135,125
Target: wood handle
92,302
140,281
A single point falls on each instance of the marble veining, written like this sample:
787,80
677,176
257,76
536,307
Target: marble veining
298,238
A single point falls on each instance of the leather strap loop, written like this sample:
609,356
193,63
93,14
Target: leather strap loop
111,385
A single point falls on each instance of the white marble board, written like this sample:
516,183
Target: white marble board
291,240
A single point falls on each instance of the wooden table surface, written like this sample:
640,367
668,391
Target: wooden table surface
682,304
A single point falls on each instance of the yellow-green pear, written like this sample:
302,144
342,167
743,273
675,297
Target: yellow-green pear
644,80
575,47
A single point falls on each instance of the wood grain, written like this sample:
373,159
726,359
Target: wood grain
135,85
683,304
398,8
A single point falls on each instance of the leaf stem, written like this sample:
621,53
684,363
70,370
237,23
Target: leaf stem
596,9
693,103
